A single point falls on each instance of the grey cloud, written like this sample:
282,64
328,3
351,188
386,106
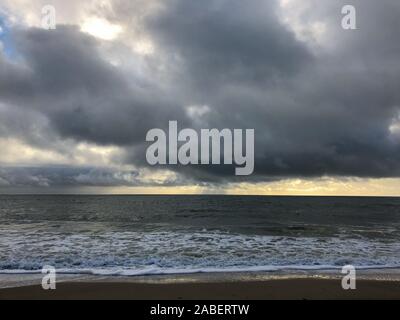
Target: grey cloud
327,114
228,41
23,177
315,112
59,176
83,96
96,177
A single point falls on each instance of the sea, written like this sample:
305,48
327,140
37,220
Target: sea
158,235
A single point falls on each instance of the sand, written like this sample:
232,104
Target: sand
298,289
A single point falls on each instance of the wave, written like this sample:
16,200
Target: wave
177,271
133,253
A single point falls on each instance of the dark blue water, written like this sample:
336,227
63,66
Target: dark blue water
166,234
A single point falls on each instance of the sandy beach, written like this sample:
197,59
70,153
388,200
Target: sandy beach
204,287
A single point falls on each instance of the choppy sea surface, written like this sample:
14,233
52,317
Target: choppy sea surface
144,235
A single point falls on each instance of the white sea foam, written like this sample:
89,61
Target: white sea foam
175,271
176,252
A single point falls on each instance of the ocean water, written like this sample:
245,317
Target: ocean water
141,235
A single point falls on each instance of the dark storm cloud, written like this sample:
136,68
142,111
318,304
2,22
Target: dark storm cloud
232,41
86,98
58,176
322,114
316,111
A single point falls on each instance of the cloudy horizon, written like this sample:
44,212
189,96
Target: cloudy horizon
76,102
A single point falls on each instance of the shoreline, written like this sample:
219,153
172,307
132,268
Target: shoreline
371,284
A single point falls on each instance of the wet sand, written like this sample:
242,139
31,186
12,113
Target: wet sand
298,289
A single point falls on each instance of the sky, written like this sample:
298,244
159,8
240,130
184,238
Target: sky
76,102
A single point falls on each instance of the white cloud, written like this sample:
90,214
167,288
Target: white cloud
17,152
101,28
394,128
297,14
196,112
